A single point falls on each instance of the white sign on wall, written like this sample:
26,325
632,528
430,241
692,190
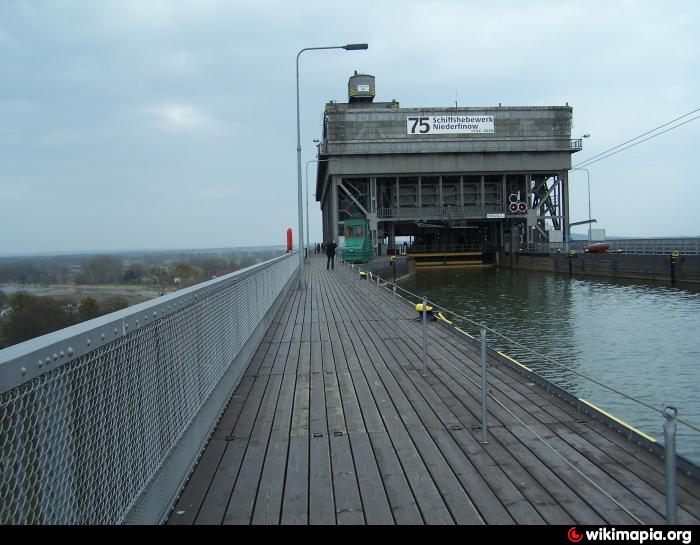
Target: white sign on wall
363,88
450,124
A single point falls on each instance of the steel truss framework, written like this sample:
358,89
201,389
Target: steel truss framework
450,204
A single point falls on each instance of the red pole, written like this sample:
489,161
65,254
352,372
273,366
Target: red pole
289,240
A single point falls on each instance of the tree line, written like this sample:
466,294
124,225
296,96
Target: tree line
28,316
129,268
24,316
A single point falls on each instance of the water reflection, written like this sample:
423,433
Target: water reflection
638,337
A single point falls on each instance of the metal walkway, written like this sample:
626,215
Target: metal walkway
332,423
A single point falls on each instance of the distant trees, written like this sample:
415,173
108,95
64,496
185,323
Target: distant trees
32,316
188,273
101,269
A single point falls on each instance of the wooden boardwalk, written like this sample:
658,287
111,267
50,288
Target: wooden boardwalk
334,424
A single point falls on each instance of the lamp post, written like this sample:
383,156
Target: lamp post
588,181
308,244
348,47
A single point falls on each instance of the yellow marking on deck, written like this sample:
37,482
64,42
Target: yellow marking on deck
464,332
506,356
443,318
625,424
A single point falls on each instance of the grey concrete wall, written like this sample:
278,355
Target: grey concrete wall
648,267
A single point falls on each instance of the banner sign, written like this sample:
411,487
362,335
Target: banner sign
450,124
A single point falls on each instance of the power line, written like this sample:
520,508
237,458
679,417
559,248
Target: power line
590,159
589,162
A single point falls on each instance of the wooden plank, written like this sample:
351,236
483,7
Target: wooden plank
321,499
216,501
189,503
348,503
321,505
268,503
240,509
372,481
234,408
280,361
295,506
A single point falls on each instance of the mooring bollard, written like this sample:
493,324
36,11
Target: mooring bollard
670,414
424,369
484,387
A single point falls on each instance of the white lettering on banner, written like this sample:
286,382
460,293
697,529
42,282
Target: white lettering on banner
450,124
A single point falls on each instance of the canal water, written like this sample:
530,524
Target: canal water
638,337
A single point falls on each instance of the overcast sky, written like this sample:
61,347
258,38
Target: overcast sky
130,124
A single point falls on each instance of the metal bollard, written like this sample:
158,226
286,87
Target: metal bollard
484,387
670,414
424,368
379,301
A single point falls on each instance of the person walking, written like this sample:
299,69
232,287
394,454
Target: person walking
330,252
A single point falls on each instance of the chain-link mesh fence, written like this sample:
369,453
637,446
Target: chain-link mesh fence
80,442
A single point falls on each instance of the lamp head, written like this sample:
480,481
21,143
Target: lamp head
352,47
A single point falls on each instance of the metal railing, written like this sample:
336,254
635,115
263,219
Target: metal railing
386,300
432,212
102,422
456,145
635,246
647,246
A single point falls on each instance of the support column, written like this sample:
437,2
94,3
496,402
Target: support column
564,181
334,208
483,192
398,201
419,191
461,191
372,207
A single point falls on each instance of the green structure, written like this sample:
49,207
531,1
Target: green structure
358,242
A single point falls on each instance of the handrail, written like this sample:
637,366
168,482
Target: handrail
101,423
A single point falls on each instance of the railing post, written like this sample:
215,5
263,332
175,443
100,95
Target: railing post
670,414
424,368
379,302
369,297
396,313
484,387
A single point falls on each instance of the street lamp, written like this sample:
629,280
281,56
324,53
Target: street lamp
588,180
348,47
308,243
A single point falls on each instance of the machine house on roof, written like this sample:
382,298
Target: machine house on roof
463,180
